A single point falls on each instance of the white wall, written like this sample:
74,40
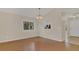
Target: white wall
55,33
11,27
74,27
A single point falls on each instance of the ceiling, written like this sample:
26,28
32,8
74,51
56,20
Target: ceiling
33,12
29,12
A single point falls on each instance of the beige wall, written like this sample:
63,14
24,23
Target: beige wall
56,32
11,27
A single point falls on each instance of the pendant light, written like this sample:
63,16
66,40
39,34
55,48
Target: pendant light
39,15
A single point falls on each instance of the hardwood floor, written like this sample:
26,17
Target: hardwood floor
36,44
74,40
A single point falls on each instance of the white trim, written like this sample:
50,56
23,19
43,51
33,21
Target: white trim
9,40
52,39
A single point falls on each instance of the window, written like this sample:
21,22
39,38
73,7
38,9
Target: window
28,25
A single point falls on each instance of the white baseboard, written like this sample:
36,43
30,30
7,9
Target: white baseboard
8,40
52,38
74,36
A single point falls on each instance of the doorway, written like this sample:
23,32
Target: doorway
74,30
71,30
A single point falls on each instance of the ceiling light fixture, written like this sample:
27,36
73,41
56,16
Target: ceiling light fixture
39,16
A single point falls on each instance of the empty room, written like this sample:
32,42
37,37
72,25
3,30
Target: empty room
39,29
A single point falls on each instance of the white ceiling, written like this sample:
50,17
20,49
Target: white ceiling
30,12
33,12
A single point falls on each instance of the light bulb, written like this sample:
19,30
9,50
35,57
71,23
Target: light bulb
39,17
